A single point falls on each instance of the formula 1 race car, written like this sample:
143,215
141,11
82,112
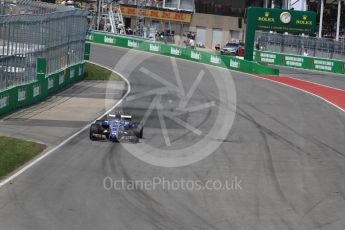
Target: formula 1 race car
116,128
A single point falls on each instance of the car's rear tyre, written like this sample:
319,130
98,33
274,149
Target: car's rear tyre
141,133
138,129
95,129
138,132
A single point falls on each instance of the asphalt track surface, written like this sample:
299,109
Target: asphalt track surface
61,115
286,147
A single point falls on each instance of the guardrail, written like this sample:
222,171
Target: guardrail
180,52
298,61
44,85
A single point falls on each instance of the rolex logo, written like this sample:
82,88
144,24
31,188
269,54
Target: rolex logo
304,21
265,18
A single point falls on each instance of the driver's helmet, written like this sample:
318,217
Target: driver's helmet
117,117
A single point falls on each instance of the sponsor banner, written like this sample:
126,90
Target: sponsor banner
195,55
158,14
215,59
109,40
299,61
294,61
154,47
4,101
175,51
268,58
234,64
50,82
323,65
282,20
132,44
21,94
36,90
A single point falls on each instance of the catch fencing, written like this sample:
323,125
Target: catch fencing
293,44
41,51
31,30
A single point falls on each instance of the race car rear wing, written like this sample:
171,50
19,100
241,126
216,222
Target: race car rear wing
123,116
126,116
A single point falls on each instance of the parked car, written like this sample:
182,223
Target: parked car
232,48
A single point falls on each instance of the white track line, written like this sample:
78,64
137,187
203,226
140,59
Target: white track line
326,86
302,91
35,161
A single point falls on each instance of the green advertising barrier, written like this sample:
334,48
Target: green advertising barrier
184,53
298,61
28,94
87,50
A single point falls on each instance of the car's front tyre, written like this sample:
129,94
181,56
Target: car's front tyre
95,129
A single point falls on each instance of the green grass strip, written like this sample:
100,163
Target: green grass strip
15,152
95,72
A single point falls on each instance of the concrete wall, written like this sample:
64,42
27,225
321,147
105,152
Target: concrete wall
226,23
209,21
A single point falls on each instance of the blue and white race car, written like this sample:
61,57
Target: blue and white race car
117,128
